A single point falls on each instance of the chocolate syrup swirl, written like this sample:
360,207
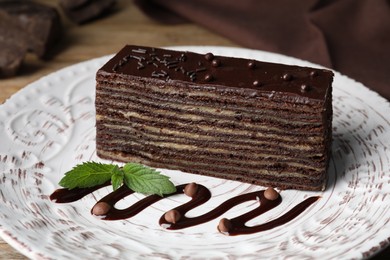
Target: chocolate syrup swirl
238,224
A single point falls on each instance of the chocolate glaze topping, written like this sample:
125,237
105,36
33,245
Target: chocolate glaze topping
234,74
177,219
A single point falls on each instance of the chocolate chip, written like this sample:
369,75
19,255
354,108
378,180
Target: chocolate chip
252,64
101,208
172,216
191,189
256,83
287,77
225,225
208,77
209,56
313,74
271,194
216,63
305,88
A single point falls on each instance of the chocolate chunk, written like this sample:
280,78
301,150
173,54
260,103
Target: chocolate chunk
82,11
41,24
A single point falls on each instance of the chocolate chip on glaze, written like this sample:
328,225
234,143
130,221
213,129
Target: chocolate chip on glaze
252,64
191,189
313,74
172,216
256,83
305,87
216,63
271,194
209,56
208,77
225,225
101,208
287,77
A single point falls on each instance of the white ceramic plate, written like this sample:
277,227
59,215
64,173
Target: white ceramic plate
49,127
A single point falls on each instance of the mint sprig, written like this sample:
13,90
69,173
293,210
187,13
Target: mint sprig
135,176
146,180
88,174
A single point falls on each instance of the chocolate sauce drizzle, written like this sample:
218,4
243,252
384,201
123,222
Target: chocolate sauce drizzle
203,194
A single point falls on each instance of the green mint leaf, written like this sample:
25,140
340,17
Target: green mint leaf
117,179
146,180
88,174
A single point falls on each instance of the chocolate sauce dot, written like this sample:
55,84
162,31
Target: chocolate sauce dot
287,77
305,87
191,189
209,56
172,216
101,208
252,64
271,194
208,77
216,63
225,225
313,74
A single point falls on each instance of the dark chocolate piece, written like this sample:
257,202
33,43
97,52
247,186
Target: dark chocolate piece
82,11
12,45
41,23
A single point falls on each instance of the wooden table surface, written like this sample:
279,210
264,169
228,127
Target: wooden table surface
125,25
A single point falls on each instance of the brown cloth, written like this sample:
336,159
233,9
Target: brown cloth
350,36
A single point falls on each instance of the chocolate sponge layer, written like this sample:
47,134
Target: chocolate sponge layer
238,119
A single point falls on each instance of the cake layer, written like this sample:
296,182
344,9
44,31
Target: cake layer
215,155
200,108
264,178
231,118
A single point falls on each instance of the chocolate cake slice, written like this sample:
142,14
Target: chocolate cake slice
238,119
